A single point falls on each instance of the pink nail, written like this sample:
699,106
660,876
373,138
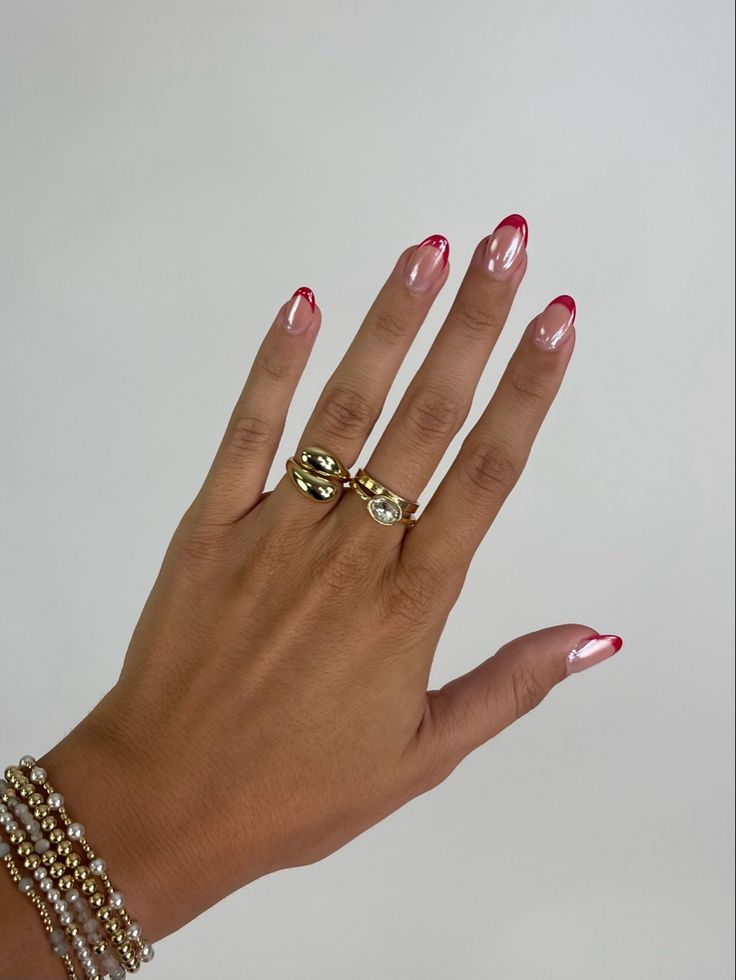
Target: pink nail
299,311
505,246
427,263
554,324
592,651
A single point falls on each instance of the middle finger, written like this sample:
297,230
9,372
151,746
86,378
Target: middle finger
437,401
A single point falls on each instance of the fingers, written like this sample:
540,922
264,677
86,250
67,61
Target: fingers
472,709
353,398
239,471
440,395
495,451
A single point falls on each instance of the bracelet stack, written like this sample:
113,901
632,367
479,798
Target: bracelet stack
48,856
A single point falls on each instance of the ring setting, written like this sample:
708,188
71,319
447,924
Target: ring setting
383,505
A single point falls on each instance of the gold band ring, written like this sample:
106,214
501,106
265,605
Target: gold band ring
383,505
317,474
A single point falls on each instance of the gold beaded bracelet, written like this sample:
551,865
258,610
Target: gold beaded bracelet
108,942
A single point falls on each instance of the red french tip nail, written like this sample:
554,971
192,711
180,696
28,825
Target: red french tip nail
567,301
516,221
615,641
439,242
308,295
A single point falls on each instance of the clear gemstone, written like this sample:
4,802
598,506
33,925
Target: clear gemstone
384,510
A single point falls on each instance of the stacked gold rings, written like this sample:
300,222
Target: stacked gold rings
317,474
383,505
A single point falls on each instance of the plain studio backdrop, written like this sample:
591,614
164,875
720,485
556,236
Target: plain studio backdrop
171,172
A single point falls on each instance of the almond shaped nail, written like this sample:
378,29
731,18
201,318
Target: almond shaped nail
505,246
554,324
299,311
592,651
427,263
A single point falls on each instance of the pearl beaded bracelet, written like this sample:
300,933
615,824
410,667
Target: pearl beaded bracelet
65,880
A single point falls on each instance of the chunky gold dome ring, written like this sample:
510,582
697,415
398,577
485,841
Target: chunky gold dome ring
317,474
383,505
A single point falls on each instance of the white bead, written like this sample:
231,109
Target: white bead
41,846
72,895
92,972
97,866
25,885
56,801
66,918
146,953
116,900
75,831
60,905
40,874
4,849
54,895
47,884
27,762
79,943
38,774
134,930
33,826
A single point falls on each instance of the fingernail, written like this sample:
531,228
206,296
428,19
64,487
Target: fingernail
555,323
592,651
427,263
299,311
506,246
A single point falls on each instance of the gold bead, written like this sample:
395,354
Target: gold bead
73,860
72,930
33,861
66,882
28,789
88,887
48,822
64,847
57,870
119,938
25,848
82,873
112,925
96,899
49,857
41,811
17,836
9,773
56,836
104,913
100,946
35,799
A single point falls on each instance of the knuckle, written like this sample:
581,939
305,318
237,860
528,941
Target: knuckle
528,690
528,386
346,412
489,469
249,434
476,319
388,325
346,567
412,595
431,413
273,368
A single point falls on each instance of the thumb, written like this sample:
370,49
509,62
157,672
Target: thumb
473,708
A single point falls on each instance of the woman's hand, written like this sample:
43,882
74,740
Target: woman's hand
273,703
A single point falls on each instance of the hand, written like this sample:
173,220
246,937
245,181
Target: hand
273,703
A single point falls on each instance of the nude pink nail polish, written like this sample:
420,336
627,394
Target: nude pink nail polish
299,311
554,324
427,263
506,246
592,651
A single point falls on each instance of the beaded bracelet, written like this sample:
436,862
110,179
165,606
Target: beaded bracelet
93,921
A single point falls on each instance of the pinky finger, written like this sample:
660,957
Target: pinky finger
238,474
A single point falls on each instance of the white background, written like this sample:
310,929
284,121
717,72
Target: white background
170,173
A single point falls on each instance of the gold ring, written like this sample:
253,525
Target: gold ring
317,474
383,505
